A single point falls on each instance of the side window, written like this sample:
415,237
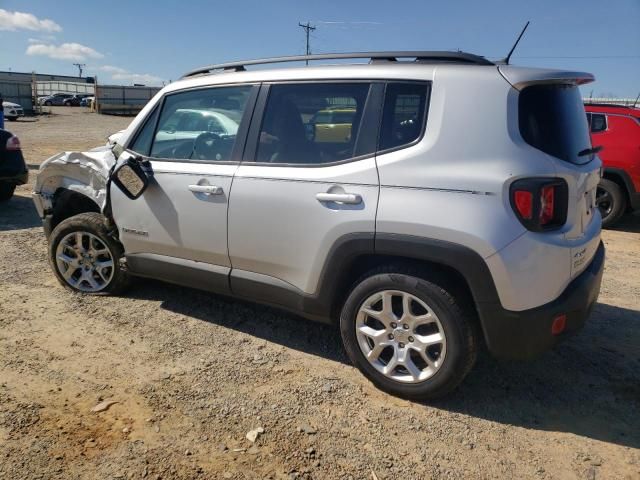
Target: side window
142,143
598,122
311,123
404,114
201,124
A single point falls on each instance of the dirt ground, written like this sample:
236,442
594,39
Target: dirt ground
193,373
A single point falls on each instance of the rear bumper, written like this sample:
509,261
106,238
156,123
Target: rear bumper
527,334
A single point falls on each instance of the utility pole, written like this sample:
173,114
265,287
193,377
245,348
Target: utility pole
80,66
307,28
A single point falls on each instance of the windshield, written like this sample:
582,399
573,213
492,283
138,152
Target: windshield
552,119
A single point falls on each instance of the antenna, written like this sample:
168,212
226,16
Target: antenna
636,101
80,65
506,59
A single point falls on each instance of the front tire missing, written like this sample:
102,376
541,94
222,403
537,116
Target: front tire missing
85,257
401,368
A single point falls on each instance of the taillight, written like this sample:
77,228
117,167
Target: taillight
547,196
524,203
13,143
540,203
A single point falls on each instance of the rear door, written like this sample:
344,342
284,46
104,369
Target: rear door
177,229
297,194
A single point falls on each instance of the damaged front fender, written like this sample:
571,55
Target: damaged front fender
83,172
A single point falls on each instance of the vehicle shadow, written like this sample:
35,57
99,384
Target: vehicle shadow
18,213
589,385
260,321
628,223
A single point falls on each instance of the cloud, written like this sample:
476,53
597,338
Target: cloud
13,21
42,39
136,78
111,69
66,51
121,75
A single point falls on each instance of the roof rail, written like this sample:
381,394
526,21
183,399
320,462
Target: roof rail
419,56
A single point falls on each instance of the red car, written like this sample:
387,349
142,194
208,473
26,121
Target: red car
617,129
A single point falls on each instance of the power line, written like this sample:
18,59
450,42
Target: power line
307,29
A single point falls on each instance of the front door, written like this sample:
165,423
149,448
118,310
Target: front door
177,230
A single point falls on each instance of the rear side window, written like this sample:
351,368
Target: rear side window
552,119
404,114
311,123
598,122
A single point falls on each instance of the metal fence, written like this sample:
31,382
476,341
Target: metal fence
18,92
44,88
117,99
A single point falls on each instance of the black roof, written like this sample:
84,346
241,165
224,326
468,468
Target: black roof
418,56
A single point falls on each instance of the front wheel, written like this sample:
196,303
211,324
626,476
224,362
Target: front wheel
410,336
85,257
611,202
6,191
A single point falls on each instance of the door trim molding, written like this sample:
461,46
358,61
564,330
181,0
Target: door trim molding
188,273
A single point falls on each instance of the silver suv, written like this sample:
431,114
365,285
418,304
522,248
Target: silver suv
452,205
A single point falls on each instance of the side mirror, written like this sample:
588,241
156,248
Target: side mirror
131,178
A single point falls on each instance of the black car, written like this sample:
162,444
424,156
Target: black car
13,170
74,101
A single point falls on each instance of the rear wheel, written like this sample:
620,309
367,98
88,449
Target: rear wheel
611,201
85,257
408,335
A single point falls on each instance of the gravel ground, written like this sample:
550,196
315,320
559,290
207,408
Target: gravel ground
193,373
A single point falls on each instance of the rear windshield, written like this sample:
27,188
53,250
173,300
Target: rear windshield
552,119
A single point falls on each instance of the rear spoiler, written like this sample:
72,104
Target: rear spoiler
521,77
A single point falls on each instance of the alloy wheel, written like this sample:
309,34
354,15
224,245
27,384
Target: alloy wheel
401,336
604,202
84,261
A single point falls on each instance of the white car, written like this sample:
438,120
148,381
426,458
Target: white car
12,111
459,211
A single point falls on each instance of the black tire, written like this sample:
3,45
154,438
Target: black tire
47,103
6,191
611,202
12,119
92,223
456,318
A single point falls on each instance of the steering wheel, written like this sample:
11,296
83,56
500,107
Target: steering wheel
203,146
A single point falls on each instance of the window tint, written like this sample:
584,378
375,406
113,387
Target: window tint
598,122
552,119
142,143
200,124
311,123
404,113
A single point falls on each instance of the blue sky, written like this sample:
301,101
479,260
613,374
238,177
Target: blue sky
150,41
